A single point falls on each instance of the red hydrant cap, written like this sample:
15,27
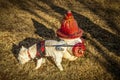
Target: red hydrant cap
69,28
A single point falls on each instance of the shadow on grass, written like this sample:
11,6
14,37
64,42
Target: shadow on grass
107,39
54,7
110,64
107,13
42,31
44,9
28,7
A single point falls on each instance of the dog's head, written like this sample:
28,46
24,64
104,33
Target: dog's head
23,55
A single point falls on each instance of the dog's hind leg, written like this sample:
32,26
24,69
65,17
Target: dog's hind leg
39,62
58,61
43,60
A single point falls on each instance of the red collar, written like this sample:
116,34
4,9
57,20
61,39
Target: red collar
29,54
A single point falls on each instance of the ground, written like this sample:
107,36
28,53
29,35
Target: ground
25,22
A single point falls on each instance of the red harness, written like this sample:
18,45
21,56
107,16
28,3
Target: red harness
40,50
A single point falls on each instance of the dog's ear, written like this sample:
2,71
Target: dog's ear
23,48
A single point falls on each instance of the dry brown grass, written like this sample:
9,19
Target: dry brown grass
24,22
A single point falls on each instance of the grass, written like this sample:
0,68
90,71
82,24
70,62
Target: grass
26,22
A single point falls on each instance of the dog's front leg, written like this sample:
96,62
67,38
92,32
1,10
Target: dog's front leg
39,62
58,61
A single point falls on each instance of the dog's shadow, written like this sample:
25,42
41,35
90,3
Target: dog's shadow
26,43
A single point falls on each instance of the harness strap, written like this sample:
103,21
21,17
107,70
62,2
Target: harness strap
40,49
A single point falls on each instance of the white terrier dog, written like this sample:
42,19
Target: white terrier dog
55,49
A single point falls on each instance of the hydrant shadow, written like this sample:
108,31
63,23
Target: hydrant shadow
43,31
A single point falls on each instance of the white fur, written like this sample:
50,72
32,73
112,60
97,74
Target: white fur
50,51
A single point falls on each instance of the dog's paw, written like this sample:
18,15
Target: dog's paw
43,61
36,68
61,69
